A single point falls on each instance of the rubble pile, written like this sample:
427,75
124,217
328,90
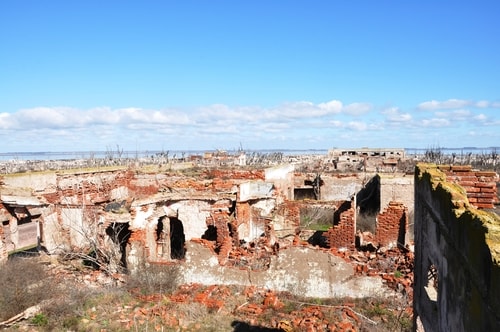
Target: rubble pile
394,266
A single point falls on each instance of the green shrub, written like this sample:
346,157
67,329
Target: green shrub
40,320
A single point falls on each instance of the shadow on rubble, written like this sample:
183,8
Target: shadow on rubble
245,327
318,239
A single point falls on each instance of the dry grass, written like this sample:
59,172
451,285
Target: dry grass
146,303
154,279
23,284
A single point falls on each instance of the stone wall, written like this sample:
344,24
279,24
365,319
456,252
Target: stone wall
457,255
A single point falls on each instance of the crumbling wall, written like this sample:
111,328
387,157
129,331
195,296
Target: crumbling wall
480,186
396,187
159,211
457,252
300,270
341,187
392,225
342,234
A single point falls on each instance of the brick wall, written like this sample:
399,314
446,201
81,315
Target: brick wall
392,224
243,212
481,186
342,235
291,212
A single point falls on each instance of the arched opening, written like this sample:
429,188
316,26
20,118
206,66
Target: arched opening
177,239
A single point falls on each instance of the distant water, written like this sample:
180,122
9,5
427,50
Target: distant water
71,155
458,151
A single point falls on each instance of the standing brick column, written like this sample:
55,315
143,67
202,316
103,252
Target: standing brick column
342,234
392,225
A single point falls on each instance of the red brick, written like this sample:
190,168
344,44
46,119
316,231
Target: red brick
485,184
472,189
485,200
487,173
483,206
461,168
465,178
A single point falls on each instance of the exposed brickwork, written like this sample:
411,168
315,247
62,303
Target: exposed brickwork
342,235
290,210
392,224
137,235
481,186
243,212
235,174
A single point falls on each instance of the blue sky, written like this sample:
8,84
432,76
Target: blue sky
191,75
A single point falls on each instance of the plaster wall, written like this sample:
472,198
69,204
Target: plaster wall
396,187
282,177
301,271
31,181
336,188
255,190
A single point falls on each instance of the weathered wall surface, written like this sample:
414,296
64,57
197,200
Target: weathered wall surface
396,187
301,271
75,207
457,256
342,186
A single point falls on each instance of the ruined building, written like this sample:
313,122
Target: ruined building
221,225
276,227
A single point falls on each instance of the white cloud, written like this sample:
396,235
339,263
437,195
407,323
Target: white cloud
482,104
481,117
336,123
357,125
6,121
357,108
333,106
57,117
393,114
435,122
440,105
294,123
457,115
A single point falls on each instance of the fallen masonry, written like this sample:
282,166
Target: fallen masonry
310,234
275,227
